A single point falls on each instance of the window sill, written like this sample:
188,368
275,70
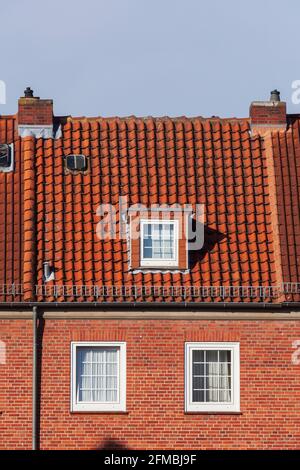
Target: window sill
160,268
213,412
87,412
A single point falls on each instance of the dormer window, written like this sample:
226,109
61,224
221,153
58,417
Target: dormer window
159,243
158,240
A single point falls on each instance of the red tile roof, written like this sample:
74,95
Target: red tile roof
51,215
286,149
11,218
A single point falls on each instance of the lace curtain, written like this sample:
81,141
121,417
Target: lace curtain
211,376
97,374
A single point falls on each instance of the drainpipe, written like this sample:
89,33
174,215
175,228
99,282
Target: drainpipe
34,379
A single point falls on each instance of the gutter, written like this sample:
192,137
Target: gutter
34,380
155,305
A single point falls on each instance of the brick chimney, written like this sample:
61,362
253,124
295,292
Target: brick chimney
268,115
35,116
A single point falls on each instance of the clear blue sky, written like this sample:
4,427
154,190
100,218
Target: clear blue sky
150,57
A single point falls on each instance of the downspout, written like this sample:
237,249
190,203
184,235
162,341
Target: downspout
29,262
34,380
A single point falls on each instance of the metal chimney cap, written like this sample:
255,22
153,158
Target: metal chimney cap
28,93
275,95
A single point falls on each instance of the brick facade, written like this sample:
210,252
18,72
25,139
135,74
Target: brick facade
268,116
268,113
155,418
16,385
33,111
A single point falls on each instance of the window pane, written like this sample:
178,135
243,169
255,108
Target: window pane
97,374
168,231
212,356
198,395
199,383
198,369
147,242
225,395
225,368
147,253
225,356
147,230
198,356
157,249
156,231
211,373
211,368
158,241
168,249
212,382
211,395
225,382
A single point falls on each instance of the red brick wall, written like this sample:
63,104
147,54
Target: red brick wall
15,385
268,114
33,111
270,387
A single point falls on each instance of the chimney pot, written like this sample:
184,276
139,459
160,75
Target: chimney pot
28,93
275,95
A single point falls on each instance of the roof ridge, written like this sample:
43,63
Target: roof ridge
156,118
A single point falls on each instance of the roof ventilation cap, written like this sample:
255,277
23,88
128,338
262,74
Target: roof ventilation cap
76,162
48,272
6,157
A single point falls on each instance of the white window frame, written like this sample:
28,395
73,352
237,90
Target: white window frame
159,261
225,407
76,405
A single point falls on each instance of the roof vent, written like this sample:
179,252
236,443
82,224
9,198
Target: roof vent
76,162
6,157
48,272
